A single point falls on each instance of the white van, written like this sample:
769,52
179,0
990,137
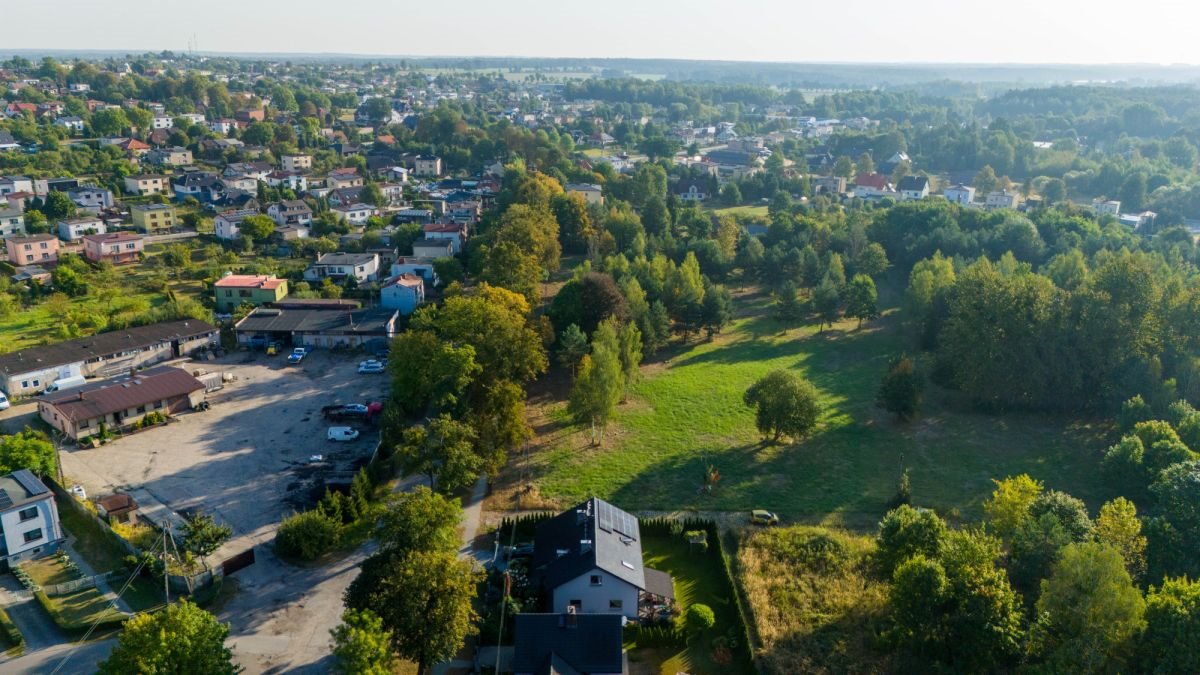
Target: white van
66,383
4,404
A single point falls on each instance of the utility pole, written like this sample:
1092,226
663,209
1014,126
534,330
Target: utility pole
166,576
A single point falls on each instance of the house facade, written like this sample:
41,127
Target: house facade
291,212
152,218
75,228
227,224
12,222
147,184
296,162
91,198
691,192
29,518
234,290
38,249
913,188
355,214
405,293
432,248
82,411
1003,199
592,194
362,267
118,248
427,166
960,194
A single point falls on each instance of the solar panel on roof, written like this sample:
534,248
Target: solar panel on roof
30,482
625,524
604,516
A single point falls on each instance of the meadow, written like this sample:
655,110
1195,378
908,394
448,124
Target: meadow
686,414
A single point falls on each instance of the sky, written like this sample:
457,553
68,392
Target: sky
873,31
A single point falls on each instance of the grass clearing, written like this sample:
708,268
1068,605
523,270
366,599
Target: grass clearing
99,547
744,211
687,412
815,604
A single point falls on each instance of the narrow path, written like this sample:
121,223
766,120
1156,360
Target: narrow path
472,514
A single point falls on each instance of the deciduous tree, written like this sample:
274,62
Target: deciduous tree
361,645
179,639
784,403
444,451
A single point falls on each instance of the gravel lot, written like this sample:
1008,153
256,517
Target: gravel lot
246,460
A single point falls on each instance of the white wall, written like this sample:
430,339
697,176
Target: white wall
596,598
14,529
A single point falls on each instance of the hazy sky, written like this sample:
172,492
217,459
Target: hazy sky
1013,31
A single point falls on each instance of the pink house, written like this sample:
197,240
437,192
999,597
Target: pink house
37,249
119,248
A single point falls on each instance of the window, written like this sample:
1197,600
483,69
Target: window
597,580
157,405
28,514
37,383
33,535
615,604
25,384
141,409
577,604
228,293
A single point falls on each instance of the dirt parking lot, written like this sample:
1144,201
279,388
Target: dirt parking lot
246,460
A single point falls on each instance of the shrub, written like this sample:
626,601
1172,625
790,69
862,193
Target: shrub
698,619
12,636
1133,412
307,535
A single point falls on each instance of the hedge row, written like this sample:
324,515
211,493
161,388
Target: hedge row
525,525
653,637
12,635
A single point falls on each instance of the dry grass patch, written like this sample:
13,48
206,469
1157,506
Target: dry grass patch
816,604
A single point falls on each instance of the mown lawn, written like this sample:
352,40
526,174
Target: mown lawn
698,580
687,412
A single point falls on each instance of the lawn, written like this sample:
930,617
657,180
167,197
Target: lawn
749,211
698,580
100,548
687,413
73,612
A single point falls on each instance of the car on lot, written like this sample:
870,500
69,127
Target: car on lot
370,366
297,355
4,404
341,434
352,411
763,517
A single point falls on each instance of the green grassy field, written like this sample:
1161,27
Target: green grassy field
687,412
752,211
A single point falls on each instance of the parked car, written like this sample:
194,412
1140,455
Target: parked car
370,366
297,355
344,434
4,404
64,383
352,411
761,517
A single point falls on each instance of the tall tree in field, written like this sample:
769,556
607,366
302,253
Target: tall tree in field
424,601
785,405
1093,611
180,639
599,384
629,339
827,302
361,645
900,391
861,298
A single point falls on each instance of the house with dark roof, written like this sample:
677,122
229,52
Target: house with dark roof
589,560
79,412
29,371
913,187
29,524
569,644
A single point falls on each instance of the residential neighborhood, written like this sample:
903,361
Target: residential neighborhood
318,362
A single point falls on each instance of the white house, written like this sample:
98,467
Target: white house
405,293
361,266
162,122
296,162
427,166
1110,207
74,228
72,123
289,179
12,222
222,126
355,214
591,193
28,518
226,225
691,192
290,212
432,248
454,233
913,187
91,198
588,560
960,194
1003,199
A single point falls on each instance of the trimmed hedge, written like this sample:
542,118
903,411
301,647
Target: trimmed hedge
525,525
652,637
12,635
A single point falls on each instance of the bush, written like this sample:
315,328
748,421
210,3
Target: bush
307,535
698,619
